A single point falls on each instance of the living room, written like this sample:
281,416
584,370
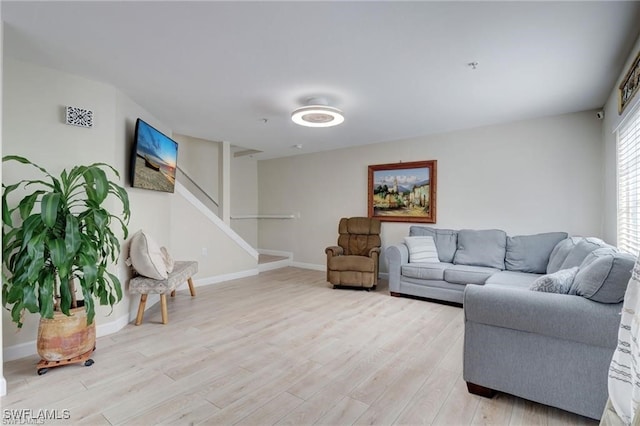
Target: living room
544,172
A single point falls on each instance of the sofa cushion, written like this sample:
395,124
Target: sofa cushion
560,252
581,250
146,256
468,274
530,253
421,249
558,282
481,248
446,240
604,276
425,271
512,279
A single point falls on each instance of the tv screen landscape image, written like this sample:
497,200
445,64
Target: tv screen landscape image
153,162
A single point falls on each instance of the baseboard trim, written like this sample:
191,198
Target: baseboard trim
287,254
18,351
312,266
270,266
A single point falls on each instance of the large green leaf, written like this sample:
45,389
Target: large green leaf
49,209
88,304
65,297
46,293
122,195
72,238
97,184
27,203
89,268
30,299
116,285
31,227
59,256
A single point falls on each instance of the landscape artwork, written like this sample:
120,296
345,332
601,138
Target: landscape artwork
155,159
403,192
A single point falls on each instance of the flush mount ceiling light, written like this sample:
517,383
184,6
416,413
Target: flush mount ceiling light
317,114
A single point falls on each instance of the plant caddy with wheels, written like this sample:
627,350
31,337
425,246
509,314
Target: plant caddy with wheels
57,234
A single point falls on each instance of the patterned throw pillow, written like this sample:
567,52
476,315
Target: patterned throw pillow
421,249
558,282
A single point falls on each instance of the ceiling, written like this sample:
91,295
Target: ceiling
235,71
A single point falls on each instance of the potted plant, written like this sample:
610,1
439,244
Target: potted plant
59,234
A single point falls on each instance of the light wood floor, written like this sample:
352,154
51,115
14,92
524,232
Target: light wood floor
278,348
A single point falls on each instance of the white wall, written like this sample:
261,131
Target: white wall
33,117
199,158
244,197
611,120
525,177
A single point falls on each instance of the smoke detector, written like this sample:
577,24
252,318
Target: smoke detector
317,113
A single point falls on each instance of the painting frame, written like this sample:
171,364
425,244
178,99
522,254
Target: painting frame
404,198
629,85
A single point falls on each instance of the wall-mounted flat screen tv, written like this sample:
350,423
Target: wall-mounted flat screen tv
154,159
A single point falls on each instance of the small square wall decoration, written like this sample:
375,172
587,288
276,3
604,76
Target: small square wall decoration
79,117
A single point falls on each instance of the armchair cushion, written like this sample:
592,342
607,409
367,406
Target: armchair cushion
352,263
358,235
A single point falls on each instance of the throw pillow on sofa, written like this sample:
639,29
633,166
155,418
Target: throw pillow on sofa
421,249
581,250
604,276
146,256
481,248
530,253
558,282
446,240
560,252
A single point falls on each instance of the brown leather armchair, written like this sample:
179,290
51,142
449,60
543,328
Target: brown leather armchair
354,261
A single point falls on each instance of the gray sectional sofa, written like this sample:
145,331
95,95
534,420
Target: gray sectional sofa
553,345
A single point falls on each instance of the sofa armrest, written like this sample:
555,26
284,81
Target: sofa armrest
334,251
374,251
562,316
397,255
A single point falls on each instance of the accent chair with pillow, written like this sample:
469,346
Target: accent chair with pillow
157,273
354,261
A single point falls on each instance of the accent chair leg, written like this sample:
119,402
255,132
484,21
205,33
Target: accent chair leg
192,289
173,293
143,302
480,390
163,307
395,294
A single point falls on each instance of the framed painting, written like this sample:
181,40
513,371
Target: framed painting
630,85
403,192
